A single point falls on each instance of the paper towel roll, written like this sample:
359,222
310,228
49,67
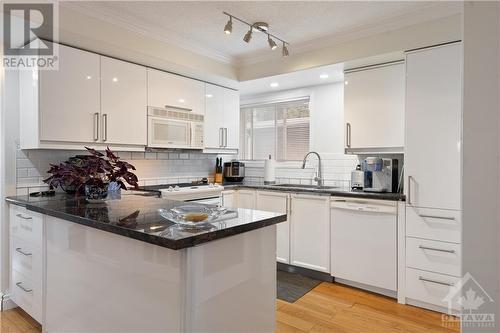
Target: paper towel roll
269,171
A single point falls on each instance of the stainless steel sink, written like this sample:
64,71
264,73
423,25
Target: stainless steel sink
313,187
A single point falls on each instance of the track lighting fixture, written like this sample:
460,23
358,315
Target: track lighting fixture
272,43
257,26
285,50
248,36
229,26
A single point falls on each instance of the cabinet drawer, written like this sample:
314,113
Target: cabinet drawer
26,258
435,256
26,294
436,224
428,287
26,225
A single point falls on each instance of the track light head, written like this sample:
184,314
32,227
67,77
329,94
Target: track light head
229,26
248,36
285,50
272,43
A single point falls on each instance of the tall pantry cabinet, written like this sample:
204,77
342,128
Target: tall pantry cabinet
433,127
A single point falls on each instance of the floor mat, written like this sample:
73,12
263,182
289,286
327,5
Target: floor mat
293,286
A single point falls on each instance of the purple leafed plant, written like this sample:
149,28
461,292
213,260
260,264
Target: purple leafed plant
96,169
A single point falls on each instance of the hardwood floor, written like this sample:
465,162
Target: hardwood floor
335,308
329,307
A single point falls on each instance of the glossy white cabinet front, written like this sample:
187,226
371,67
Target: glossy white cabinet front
69,98
277,202
169,90
310,231
123,102
433,127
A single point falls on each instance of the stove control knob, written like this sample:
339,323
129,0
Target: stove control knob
170,188
177,188
211,185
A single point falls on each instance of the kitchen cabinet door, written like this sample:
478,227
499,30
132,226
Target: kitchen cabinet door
69,98
214,116
232,119
246,199
374,101
229,199
277,202
170,90
310,231
433,127
123,102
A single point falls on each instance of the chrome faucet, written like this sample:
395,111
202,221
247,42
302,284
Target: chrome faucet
319,176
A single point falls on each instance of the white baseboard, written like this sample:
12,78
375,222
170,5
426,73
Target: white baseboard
7,303
377,290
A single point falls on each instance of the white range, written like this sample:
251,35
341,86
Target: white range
207,193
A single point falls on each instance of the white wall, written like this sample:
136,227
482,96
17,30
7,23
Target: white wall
481,147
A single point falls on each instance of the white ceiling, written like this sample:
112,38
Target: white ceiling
198,25
299,79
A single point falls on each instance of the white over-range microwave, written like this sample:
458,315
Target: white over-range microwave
172,127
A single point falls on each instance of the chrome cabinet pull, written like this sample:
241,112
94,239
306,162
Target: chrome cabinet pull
96,126
20,285
451,218
24,217
348,135
221,143
225,137
449,284
20,250
410,178
435,249
105,127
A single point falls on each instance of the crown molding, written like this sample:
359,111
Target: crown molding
168,38
431,12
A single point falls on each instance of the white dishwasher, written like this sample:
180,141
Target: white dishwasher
363,243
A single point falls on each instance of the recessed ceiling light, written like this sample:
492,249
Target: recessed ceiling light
346,82
323,76
209,95
115,79
89,77
274,84
181,100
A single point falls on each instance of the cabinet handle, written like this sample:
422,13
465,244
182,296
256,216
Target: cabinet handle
225,137
221,137
435,249
449,284
105,127
96,126
451,218
24,217
20,250
20,285
348,135
410,178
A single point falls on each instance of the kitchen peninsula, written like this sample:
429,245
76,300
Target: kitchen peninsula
119,266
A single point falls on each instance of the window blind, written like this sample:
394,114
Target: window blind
279,129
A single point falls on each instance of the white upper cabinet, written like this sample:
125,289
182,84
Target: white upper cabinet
123,102
433,127
68,98
374,101
169,90
222,118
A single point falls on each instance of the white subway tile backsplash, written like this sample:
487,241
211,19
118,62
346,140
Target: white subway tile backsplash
24,163
150,156
137,156
173,156
184,156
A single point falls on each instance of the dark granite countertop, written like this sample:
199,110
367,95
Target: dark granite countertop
340,192
135,215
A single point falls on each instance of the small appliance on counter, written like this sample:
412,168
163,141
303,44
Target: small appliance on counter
383,172
234,171
270,171
218,170
360,179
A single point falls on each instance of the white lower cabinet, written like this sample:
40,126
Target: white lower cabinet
229,199
26,260
310,231
277,202
246,199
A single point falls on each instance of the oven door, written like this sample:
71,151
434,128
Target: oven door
216,201
167,133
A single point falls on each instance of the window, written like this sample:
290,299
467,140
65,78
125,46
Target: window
277,129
